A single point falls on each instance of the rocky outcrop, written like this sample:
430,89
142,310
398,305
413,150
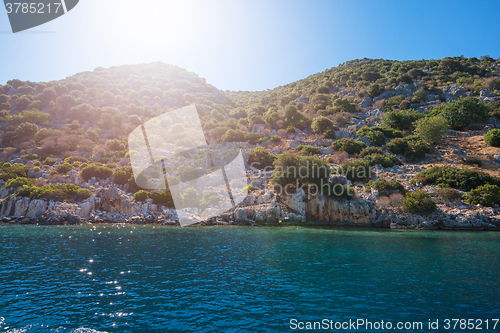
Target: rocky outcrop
326,209
452,93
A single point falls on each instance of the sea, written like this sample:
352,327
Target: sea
147,278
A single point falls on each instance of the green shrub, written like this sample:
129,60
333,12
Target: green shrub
123,175
254,138
58,192
275,138
492,138
189,173
412,147
37,163
431,129
419,202
355,170
461,179
321,124
370,150
495,109
397,146
486,195
97,171
190,198
76,164
350,146
329,133
18,182
49,161
308,150
401,120
447,194
338,191
260,158
210,198
385,159
377,135
141,196
462,112
64,168
36,169
9,171
376,138
385,187
312,170
73,159
161,197
233,135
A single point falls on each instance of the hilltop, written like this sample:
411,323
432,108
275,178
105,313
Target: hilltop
64,143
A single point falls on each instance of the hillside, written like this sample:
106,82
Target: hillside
66,140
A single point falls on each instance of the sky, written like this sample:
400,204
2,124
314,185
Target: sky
246,45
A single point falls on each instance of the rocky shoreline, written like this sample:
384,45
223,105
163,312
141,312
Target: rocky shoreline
261,208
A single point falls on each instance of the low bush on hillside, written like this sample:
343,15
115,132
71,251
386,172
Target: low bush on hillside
141,195
308,150
486,195
412,147
377,135
384,159
293,169
463,112
19,182
123,175
9,171
355,170
64,168
447,194
492,138
350,146
369,151
385,187
419,202
431,129
58,192
321,124
73,159
461,179
260,158
401,120
97,171
49,161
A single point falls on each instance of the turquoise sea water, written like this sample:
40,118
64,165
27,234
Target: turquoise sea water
241,279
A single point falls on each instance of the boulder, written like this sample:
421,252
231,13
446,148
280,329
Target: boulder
36,208
357,212
365,140
21,206
240,215
366,102
343,134
327,151
296,201
259,128
452,93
